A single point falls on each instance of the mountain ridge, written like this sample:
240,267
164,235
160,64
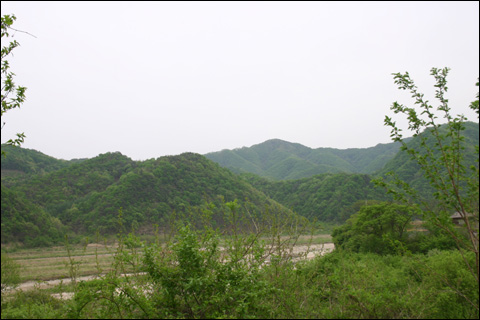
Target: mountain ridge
282,160
91,195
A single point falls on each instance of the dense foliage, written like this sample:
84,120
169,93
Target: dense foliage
200,273
27,162
408,170
88,195
380,228
27,223
281,160
389,228
325,197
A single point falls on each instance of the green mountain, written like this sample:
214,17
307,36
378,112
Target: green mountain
89,195
43,197
282,160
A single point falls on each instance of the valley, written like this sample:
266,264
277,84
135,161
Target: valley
227,234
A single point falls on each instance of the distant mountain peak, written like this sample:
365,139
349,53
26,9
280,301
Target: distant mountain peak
280,159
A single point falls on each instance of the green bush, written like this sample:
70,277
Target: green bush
380,228
10,272
193,279
370,286
35,304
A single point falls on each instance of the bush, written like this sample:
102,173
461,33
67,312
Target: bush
35,304
10,272
195,279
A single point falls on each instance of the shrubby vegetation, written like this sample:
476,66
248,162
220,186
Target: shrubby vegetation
380,228
443,157
202,272
10,272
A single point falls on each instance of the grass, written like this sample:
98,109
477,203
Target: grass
53,263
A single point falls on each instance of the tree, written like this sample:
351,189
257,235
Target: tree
8,86
455,183
378,228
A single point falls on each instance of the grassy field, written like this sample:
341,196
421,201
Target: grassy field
54,262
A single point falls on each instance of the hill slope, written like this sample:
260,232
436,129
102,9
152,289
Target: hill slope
20,161
325,197
282,160
88,196
23,221
409,171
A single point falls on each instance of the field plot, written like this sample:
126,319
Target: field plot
54,263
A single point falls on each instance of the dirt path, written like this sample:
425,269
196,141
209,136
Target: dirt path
313,250
52,283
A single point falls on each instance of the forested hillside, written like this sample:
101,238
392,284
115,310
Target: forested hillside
49,196
282,160
88,196
409,171
325,197
23,221
25,161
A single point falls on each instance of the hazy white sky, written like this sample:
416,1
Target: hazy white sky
160,78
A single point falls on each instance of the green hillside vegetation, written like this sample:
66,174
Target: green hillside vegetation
156,188
282,160
55,190
22,161
25,222
88,196
409,171
325,197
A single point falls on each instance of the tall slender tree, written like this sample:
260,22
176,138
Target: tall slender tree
440,156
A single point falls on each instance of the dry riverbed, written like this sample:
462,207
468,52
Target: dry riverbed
298,252
48,268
